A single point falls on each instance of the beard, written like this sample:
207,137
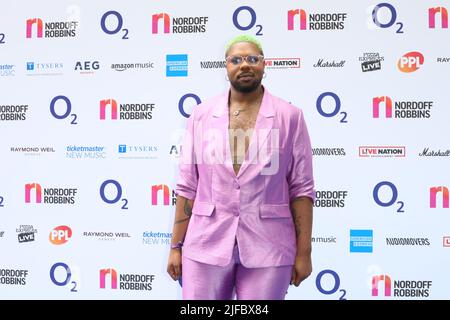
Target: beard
247,87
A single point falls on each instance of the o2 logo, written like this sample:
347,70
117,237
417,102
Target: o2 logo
119,26
393,188
61,275
1,201
335,279
2,38
392,20
118,196
250,25
337,106
181,103
68,109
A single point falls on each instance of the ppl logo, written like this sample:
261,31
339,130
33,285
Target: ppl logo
410,62
112,275
432,17
39,27
166,194
433,196
60,235
105,103
38,189
387,285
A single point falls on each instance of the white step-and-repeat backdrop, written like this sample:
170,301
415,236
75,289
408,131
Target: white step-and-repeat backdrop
94,97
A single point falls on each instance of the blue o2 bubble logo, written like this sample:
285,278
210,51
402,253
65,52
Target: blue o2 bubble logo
245,27
118,17
118,196
393,199
335,280
183,99
335,110
66,278
392,20
62,100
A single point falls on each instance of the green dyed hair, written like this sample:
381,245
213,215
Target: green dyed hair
243,38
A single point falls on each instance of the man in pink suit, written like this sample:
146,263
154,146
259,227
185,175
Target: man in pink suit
243,215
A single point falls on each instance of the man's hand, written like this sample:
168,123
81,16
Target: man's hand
301,269
174,264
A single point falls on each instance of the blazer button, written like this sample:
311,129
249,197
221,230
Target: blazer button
236,185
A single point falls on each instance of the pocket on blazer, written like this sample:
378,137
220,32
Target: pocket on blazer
203,208
271,211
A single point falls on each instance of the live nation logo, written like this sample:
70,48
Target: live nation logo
385,151
282,63
446,241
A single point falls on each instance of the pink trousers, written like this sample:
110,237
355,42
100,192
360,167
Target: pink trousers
208,282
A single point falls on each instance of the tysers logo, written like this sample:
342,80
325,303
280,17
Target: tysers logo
393,199
410,62
434,191
60,235
432,12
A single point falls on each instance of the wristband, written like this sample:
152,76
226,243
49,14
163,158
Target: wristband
177,245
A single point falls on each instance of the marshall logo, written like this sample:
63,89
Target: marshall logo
433,153
329,64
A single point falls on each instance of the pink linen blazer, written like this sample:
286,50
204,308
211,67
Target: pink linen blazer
251,207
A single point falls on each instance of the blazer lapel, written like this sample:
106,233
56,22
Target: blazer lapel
220,122
263,127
